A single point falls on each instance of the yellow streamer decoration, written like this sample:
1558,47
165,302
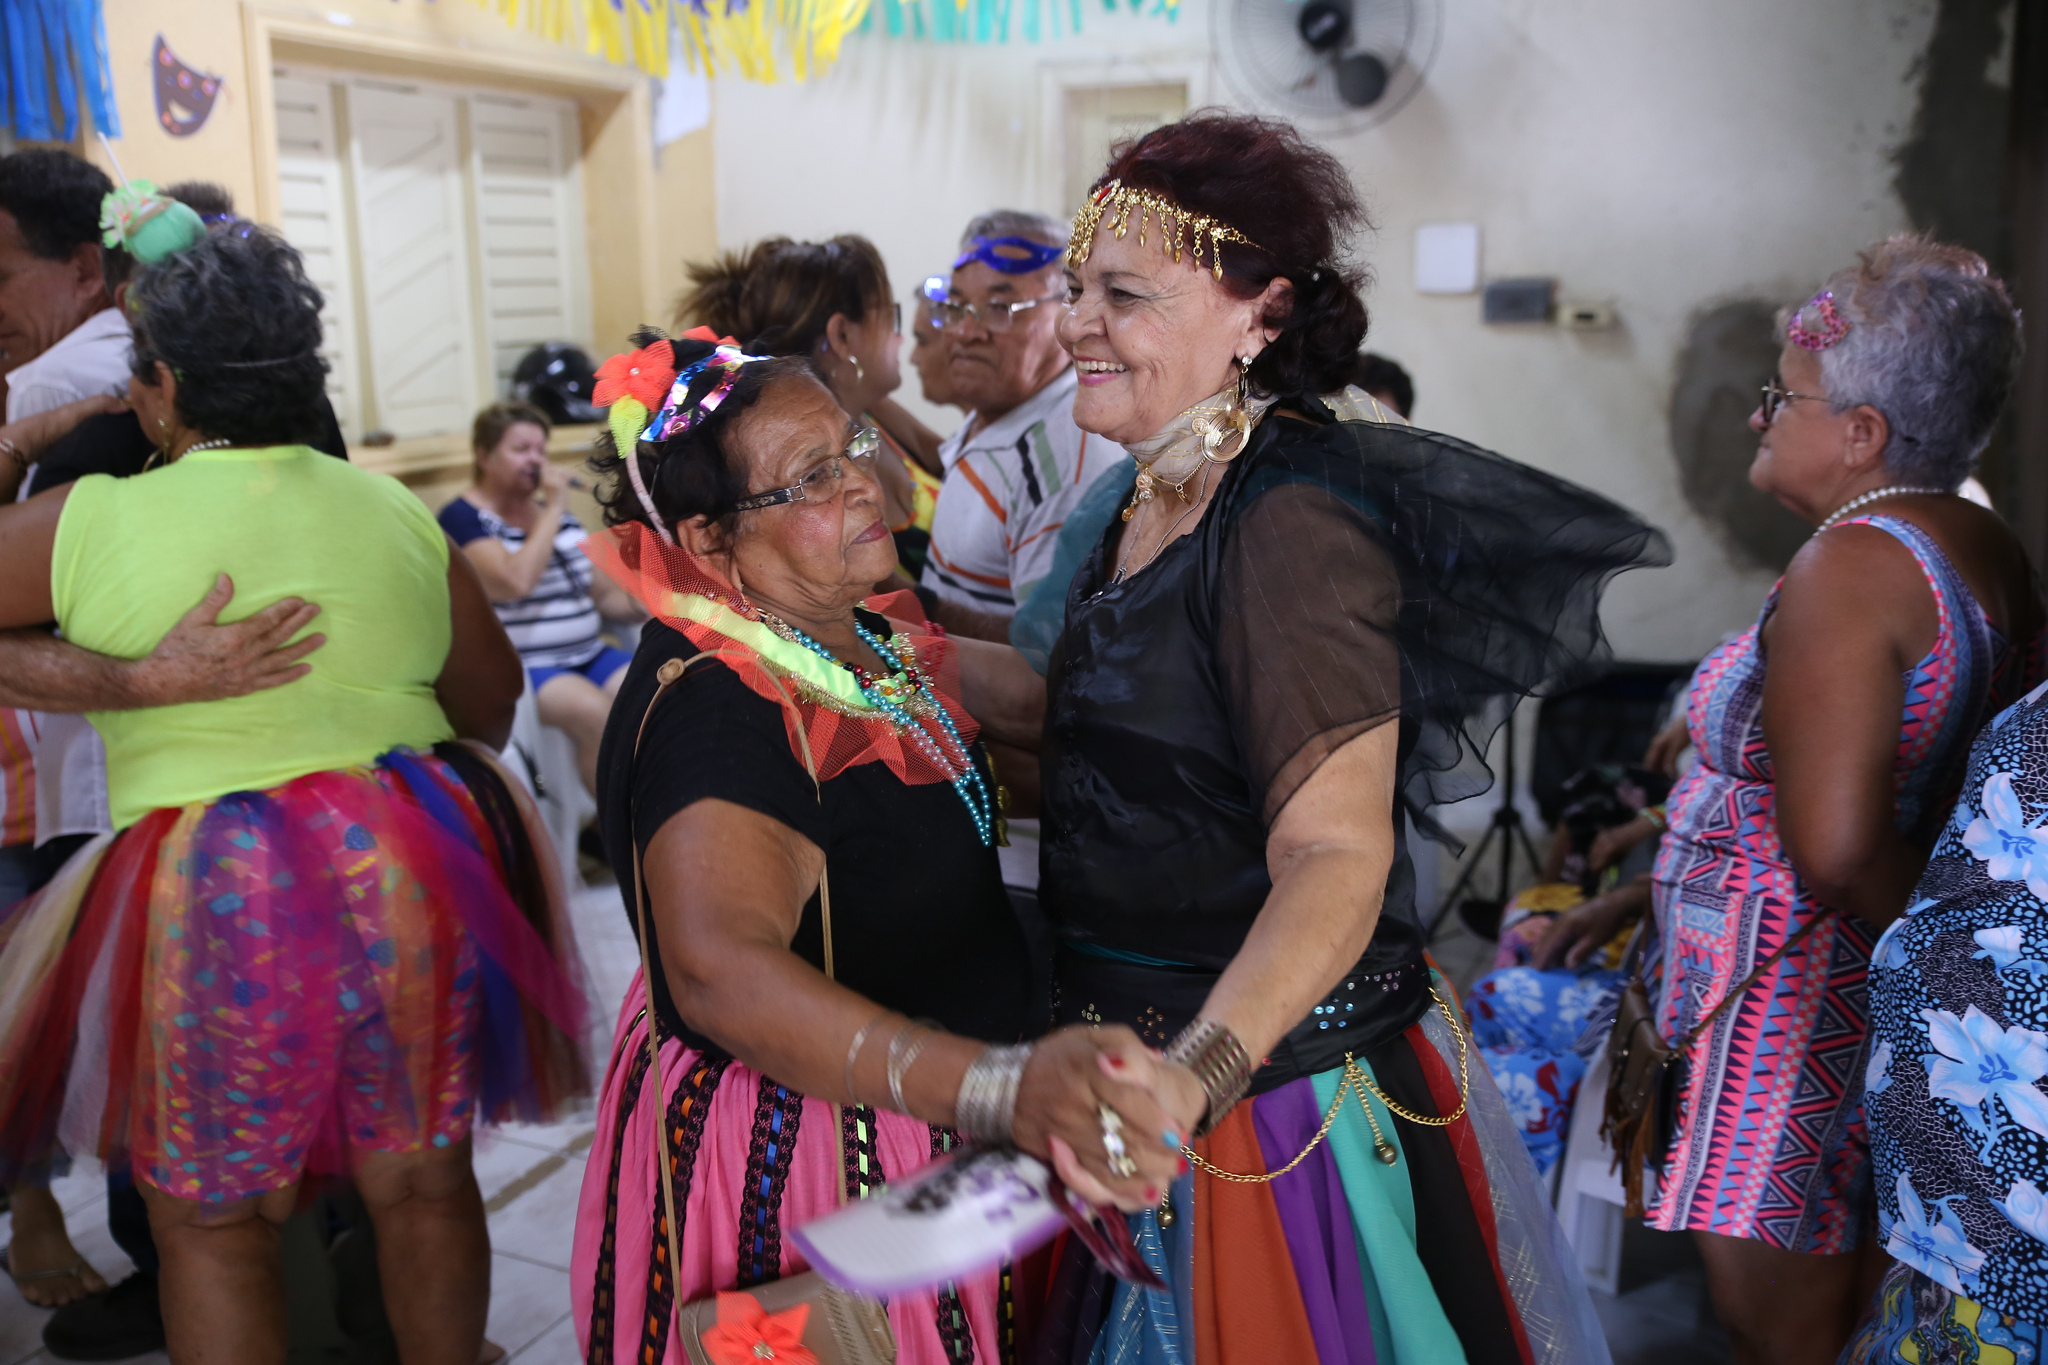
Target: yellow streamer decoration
751,37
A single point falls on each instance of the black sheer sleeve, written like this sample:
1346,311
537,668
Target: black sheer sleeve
1308,601
1370,571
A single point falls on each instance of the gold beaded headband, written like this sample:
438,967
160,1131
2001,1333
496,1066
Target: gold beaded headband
1179,230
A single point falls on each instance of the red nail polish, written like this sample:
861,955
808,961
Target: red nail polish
1151,1194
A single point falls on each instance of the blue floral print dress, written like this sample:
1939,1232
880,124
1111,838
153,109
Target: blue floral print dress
1959,1049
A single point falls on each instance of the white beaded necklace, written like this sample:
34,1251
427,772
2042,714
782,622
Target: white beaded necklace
1895,490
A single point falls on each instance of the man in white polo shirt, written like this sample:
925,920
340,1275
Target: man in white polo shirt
1017,467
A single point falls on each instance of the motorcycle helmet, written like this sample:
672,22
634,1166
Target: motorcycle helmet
558,379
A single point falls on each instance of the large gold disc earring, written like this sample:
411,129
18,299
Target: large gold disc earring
1233,421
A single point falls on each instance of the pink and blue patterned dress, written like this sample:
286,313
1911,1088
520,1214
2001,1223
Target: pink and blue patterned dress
1772,1143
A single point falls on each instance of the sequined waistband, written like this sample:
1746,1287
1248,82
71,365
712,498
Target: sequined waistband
1367,1008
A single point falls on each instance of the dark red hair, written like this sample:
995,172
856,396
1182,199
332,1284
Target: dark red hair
1296,202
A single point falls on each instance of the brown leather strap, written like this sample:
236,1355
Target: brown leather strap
669,674
1692,1034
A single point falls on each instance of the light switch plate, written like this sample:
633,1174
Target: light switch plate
1447,258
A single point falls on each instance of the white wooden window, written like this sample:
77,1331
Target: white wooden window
529,205
314,202
445,225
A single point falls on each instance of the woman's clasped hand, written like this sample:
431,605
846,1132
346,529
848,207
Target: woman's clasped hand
1072,1075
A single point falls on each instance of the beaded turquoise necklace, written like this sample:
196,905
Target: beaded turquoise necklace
892,695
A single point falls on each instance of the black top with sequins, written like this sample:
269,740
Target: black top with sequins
1347,575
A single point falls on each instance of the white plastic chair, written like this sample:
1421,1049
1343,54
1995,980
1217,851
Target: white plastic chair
1589,1193
545,759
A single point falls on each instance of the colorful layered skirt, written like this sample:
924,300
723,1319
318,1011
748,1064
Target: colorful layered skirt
229,994
752,1159
1447,1252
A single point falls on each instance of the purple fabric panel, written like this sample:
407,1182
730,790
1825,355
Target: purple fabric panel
1315,1217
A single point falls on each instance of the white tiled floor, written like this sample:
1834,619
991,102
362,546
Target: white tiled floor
530,1176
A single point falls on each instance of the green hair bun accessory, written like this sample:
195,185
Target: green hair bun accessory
148,225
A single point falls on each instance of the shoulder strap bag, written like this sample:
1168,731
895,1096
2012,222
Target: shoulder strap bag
843,1328
1646,1076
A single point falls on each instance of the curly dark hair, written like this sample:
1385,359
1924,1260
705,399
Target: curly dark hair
238,322
699,473
1296,202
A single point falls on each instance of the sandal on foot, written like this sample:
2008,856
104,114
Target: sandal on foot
76,1270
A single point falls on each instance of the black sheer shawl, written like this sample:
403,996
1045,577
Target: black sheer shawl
1347,575
1369,570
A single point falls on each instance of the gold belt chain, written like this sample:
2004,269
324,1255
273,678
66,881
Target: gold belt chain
1358,1081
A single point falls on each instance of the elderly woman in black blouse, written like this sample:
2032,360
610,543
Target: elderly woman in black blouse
1271,648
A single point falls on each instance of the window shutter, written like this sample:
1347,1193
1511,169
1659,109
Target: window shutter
415,257
529,226
315,219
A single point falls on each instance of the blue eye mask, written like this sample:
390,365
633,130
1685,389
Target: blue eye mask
1011,255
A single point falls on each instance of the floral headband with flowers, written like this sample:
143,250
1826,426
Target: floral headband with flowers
649,398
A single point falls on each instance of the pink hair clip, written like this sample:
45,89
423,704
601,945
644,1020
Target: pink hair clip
1833,326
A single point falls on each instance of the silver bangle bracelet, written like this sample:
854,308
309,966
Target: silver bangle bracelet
987,1105
897,1067
853,1052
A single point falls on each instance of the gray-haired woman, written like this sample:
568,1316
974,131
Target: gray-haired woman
1907,619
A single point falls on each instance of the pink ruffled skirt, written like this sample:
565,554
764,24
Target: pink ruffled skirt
752,1160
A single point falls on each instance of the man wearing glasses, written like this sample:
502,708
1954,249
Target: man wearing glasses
1018,465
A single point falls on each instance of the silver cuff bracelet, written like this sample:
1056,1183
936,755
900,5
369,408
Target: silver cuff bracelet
987,1104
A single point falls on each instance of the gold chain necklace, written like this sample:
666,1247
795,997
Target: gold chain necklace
1124,571
1358,1081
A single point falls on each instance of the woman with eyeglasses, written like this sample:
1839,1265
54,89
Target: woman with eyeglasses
1831,736
809,823
831,303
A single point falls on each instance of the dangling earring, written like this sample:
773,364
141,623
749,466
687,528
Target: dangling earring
739,585
163,449
860,376
1235,419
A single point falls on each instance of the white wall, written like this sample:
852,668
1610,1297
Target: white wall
1665,158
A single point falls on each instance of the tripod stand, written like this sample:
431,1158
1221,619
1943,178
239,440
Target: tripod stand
1505,829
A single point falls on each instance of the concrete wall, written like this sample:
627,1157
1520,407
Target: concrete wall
1665,158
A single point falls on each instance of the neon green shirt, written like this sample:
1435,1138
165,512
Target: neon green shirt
133,555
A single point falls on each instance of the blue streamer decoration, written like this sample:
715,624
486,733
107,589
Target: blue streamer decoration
53,56
989,21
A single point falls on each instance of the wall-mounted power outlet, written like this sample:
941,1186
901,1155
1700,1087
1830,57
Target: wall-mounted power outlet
1582,316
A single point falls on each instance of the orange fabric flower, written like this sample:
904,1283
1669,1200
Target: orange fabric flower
644,374
748,1334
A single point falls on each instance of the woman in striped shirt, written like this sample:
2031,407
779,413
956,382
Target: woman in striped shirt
514,524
